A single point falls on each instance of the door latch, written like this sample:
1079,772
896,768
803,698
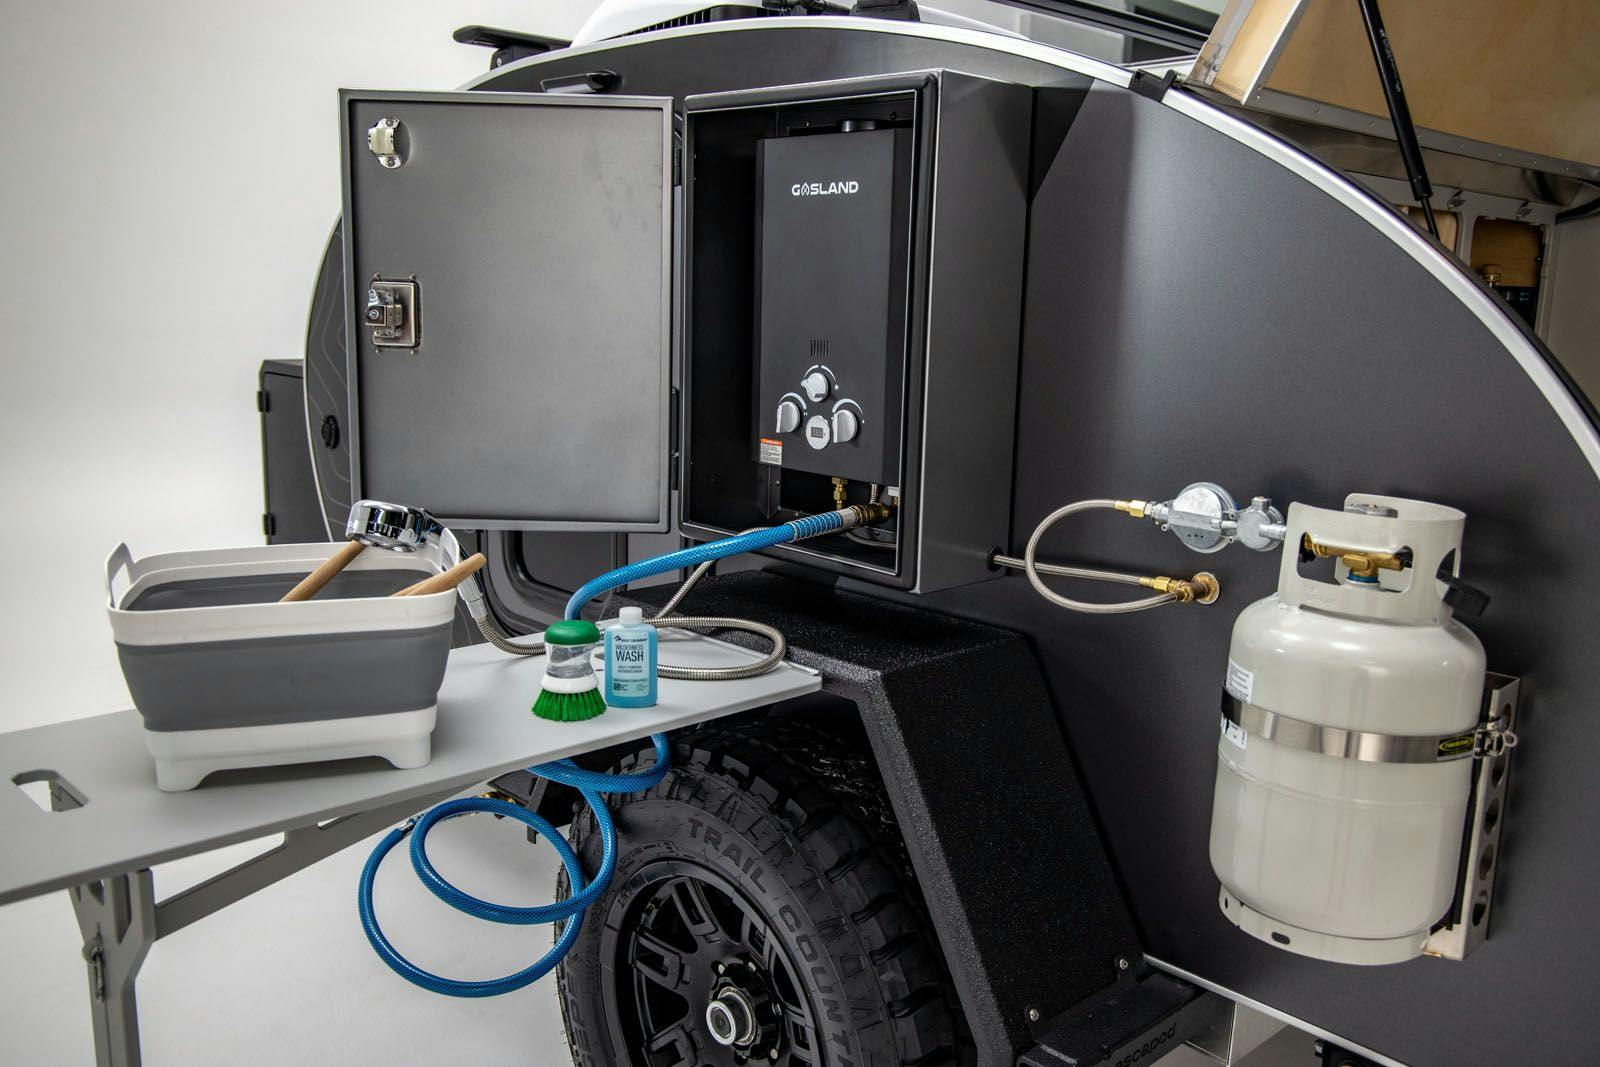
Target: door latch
383,141
392,314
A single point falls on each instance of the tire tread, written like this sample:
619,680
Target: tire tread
835,818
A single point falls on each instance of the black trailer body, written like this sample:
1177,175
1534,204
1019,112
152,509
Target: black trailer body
1203,299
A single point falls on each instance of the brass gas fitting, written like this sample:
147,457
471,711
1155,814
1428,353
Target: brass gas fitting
1201,589
1180,589
869,514
1136,508
1361,562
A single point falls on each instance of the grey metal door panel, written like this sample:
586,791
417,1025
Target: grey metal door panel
538,230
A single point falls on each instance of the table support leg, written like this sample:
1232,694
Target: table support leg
116,916
120,919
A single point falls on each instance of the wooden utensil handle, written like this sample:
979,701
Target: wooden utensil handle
312,583
447,579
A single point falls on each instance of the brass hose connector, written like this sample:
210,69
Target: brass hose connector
500,795
1136,508
1203,588
838,492
868,514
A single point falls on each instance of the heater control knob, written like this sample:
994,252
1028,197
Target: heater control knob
816,385
818,432
846,424
788,416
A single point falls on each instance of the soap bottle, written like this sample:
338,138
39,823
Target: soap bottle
631,661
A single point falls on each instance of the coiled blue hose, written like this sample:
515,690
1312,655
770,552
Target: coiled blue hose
592,785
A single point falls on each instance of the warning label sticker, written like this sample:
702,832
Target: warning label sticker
1235,733
770,451
1239,682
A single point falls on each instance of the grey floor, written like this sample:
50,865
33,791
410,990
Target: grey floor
286,976
1288,1048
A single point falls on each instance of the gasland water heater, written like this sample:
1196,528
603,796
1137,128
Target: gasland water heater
842,229
834,220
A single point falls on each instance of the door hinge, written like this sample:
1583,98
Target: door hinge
674,445
263,401
677,166
95,957
269,524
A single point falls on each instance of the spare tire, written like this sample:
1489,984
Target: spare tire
762,912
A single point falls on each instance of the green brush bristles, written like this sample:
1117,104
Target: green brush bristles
569,707
570,692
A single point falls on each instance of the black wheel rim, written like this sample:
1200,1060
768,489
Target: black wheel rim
679,936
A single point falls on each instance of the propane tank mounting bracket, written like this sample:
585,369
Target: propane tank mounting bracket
1485,741
1466,925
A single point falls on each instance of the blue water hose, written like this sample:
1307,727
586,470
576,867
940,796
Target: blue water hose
591,785
684,558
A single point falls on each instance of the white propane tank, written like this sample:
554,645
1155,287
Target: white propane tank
1348,728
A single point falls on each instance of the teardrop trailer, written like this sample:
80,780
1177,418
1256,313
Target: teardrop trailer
942,323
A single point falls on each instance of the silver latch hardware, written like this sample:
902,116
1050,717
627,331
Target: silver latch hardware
382,310
392,314
383,141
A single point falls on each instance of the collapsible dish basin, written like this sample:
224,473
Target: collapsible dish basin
225,676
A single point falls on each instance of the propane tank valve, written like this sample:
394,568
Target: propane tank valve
1360,562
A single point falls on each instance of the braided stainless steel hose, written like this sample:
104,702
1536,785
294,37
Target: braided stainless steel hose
1201,589
852,516
780,647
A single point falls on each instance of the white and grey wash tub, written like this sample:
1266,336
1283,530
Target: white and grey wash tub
225,676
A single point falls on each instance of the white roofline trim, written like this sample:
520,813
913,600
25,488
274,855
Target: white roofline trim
997,41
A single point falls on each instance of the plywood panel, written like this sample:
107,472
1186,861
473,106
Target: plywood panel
1252,49
1449,223
1513,247
1525,75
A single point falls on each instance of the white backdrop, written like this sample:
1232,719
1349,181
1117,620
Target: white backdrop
168,175
169,172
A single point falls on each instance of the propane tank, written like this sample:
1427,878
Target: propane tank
1349,723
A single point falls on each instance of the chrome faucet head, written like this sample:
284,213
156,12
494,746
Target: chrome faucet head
392,526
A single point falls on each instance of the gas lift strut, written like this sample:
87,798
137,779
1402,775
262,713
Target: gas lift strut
1405,132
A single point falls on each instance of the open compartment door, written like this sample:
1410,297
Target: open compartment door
508,264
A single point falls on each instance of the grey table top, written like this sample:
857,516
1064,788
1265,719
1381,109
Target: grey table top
484,729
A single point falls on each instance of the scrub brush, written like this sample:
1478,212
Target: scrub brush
570,691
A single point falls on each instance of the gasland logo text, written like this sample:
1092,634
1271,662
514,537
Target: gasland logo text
825,188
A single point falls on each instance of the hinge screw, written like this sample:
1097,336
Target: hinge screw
1033,1015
